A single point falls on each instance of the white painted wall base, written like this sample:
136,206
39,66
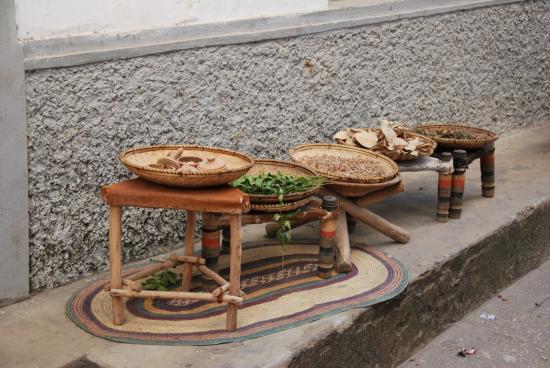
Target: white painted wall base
55,18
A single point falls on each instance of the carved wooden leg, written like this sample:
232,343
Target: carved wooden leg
188,250
343,251
235,270
460,162
444,191
488,174
115,261
326,243
210,250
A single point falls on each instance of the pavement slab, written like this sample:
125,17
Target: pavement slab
519,336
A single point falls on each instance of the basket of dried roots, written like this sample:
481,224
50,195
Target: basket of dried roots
392,140
186,166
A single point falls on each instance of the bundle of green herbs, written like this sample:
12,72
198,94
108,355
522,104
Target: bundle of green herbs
161,281
278,184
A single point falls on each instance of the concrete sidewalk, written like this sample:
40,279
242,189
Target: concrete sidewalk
453,268
519,336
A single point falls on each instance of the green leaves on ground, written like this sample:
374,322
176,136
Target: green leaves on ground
276,184
162,281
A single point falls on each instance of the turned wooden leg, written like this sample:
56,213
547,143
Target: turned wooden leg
444,191
460,163
210,250
343,251
326,243
115,261
188,250
235,270
488,174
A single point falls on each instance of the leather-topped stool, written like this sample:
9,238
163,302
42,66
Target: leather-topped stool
220,200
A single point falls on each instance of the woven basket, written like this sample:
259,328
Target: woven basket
265,166
277,207
138,159
298,154
359,190
402,155
482,136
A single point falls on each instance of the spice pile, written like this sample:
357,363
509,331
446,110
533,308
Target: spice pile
451,133
188,164
334,165
391,139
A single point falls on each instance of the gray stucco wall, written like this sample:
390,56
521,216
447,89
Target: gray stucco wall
489,66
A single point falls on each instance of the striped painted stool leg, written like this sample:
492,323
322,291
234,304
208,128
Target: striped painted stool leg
210,251
327,238
226,240
488,174
460,163
444,191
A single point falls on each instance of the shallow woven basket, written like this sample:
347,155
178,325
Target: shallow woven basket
277,207
137,160
359,190
403,155
298,154
265,166
482,136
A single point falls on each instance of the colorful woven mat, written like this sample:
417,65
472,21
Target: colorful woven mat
280,294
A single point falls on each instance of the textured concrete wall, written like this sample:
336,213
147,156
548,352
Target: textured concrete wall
489,66
14,238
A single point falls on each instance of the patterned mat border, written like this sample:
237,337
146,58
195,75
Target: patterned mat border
323,310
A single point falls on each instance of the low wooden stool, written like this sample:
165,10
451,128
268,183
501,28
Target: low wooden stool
461,160
326,211
224,200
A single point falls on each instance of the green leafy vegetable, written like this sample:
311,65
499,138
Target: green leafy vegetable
162,281
276,184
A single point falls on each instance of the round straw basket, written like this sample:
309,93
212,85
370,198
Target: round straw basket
359,190
301,152
481,137
265,166
138,159
277,207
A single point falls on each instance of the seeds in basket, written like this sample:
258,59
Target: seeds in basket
447,133
187,164
345,166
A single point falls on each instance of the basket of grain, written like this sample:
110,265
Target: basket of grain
344,163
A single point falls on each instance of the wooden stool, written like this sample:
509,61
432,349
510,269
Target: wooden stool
325,210
139,193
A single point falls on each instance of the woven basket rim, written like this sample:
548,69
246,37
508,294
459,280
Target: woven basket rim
275,207
491,137
125,153
360,151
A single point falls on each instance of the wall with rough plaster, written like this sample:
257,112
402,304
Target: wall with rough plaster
489,67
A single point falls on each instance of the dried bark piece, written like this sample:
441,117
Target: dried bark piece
168,162
366,139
